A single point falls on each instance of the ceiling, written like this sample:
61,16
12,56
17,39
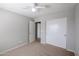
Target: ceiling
20,8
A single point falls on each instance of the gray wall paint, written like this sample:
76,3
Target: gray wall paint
69,14
77,28
13,29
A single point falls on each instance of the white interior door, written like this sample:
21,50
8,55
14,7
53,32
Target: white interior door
56,31
31,31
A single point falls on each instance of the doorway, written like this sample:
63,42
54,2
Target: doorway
38,31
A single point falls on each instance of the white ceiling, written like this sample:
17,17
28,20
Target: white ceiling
20,8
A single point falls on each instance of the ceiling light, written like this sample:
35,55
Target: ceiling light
33,9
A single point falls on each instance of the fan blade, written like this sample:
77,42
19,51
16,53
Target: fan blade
40,7
46,6
27,7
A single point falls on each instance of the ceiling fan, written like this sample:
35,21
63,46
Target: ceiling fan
36,7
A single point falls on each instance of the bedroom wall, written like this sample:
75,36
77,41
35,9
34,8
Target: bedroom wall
77,29
69,14
13,29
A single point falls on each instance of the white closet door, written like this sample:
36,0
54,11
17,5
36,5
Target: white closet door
31,31
56,32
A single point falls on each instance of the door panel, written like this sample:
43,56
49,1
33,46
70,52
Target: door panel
56,31
31,31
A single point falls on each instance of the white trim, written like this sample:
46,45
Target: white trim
76,53
19,45
71,51
65,49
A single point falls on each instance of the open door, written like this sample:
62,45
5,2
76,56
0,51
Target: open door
38,31
56,32
31,31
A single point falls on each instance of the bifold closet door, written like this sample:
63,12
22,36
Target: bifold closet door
31,31
56,32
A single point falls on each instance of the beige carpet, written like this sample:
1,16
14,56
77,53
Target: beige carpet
37,49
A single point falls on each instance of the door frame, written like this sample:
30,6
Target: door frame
36,30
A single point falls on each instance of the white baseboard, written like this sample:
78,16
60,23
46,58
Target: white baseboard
70,50
77,53
19,45
65,48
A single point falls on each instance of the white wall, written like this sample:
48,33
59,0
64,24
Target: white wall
69,14
77,28
13,29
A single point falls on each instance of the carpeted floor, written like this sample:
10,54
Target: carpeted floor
37,49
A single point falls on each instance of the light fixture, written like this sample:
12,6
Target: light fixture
34,10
